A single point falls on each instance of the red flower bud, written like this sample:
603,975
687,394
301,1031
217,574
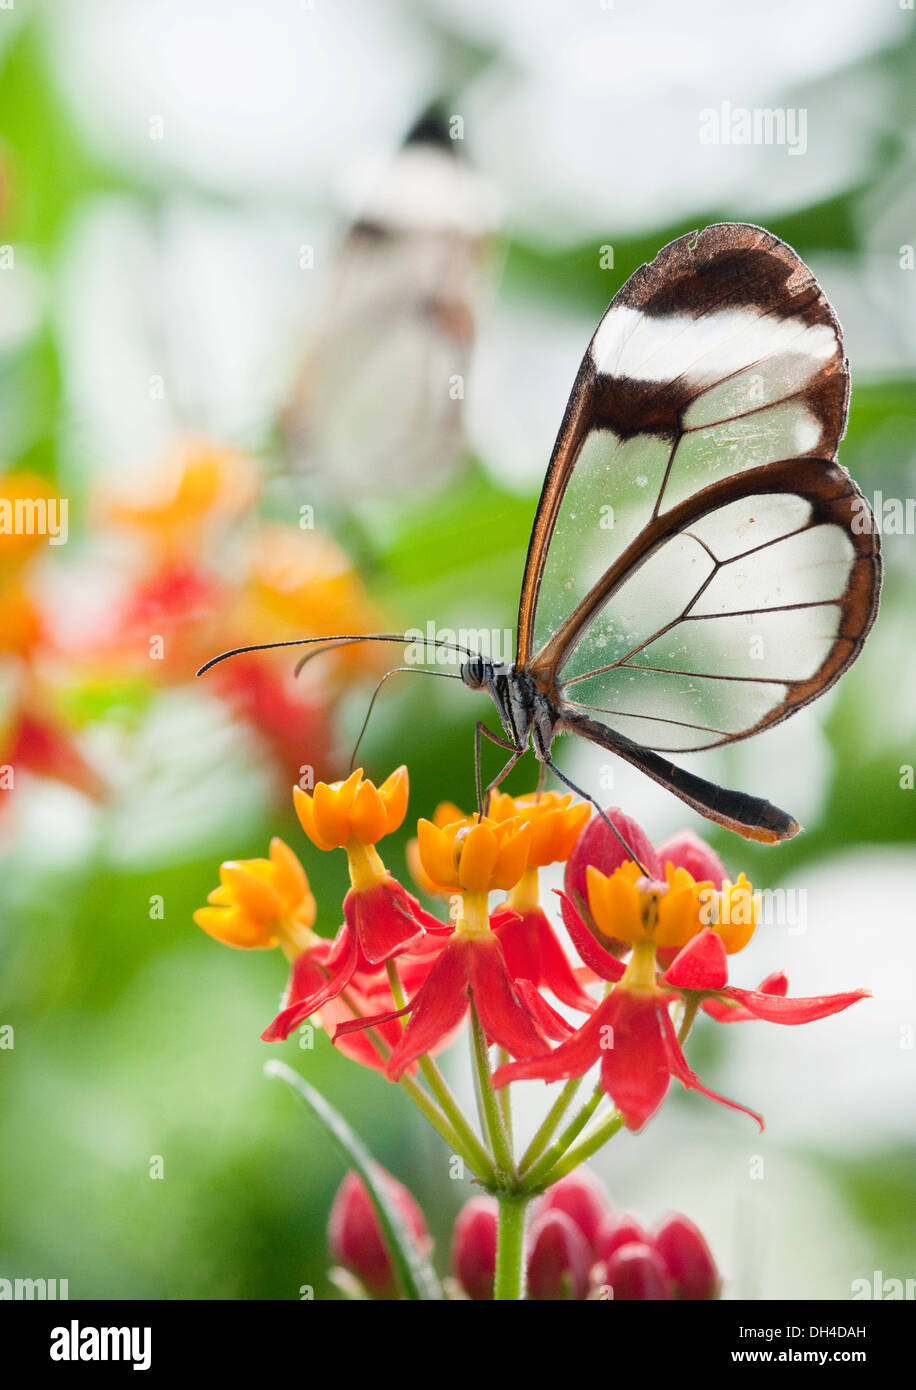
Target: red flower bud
583,1199
619,1228
637,1272
688,1258
355,1236
474,1247
559,1259
599,846
685,850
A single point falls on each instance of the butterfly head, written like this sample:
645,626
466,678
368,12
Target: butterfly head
477,672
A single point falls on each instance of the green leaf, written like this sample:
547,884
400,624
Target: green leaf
416,1277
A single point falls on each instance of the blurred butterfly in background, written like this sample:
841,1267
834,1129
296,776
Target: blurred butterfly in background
700,566
377,405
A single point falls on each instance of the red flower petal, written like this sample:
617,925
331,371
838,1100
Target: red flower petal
688,1258
557,973
504,1020
618,1228
359,1025
777,983
342,962
551,1023
355,1238
474,1247
635,1071
532,952
436,1009
571,1058
775,1009
559,1259
382,919
51,752
689,1079
426,919
701,964
357,1045
583,1198
723,1012
306,977
605,966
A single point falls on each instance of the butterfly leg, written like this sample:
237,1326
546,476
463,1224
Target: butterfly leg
548,762
480,729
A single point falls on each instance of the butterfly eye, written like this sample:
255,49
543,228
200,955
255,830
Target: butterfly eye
472,672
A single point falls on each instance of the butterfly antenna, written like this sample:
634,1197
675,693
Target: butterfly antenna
341,640
319,651
603,814
300,642
410,670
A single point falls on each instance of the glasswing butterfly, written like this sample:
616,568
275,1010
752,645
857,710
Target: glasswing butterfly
700,566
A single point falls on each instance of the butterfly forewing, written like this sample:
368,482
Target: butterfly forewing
700,566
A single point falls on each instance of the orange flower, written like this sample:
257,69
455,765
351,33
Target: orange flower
681,907
620,911
382,918
627,907
530,945
556,822
475,855
198,483
446,813
734,913
262,903
338,813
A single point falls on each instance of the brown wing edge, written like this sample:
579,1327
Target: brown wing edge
573,431
784,279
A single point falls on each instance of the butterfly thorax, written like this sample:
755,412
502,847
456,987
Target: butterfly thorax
524,710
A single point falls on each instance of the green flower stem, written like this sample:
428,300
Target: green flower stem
479,1159
478,1095
505,1096
431,1112
510,1248
588,1145
533,1180
548,1128
476,1155
421,1100
490,1106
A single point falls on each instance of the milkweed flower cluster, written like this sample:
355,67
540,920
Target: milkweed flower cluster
649,931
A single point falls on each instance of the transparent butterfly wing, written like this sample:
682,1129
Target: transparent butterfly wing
700,565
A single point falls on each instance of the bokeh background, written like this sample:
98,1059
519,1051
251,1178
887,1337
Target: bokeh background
290,382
